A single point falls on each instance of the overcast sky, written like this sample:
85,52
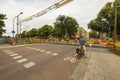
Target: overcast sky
82,10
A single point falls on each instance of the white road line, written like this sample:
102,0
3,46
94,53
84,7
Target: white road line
42,51
67,58
30,64
55,54
48,52
33,48
28,47
13,54
10,53
22,60
17,57
7,51
37,49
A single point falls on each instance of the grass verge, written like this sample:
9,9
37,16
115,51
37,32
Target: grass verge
115,50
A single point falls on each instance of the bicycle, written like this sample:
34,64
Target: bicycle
80,51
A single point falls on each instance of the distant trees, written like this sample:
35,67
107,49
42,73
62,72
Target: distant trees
64,26
45,31
33,32
105,19
2,24
93,34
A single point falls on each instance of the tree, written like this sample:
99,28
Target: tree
93,34
56,32
67,26
2,24
93,25
33,32
45,31
105,19
24,34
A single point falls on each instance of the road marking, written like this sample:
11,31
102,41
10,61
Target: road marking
17,57
28,65
72,59
37,49
48,52
13,54
67,58
28,47
7,51
33,48
22,60
42,51
55,54
10,53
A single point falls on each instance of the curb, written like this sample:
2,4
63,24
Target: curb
80,71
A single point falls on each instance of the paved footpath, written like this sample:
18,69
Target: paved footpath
101,64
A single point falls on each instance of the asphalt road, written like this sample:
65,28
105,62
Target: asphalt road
37,62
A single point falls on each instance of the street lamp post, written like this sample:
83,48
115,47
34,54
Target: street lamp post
20,29
13,25
17,27
115,26
17,22
103,21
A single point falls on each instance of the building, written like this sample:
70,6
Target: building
82,32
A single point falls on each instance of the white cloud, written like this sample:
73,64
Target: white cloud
82,10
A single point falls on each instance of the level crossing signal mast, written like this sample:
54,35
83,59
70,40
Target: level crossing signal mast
55,6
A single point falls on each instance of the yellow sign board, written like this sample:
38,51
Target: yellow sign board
58,5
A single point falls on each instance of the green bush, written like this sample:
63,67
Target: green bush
115,50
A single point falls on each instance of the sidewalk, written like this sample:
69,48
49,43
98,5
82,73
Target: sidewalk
101,65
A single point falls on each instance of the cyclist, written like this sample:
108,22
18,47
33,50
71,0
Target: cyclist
82,42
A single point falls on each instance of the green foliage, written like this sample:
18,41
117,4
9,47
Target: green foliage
33,32
56,32
67,26
63,26
105,19
2,24
45,31
115,50
93,34
5,36
24,34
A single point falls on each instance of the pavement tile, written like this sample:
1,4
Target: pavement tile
102,66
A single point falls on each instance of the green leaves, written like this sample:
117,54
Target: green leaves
105,19
2,17
33,32
63,26
2,24
45,31
93,34
67,26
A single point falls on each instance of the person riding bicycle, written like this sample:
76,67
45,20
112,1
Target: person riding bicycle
82,42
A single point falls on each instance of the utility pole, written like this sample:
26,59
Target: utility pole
17,24
20,29
17,27
115,26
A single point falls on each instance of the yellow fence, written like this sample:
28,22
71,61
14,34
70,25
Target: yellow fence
76,41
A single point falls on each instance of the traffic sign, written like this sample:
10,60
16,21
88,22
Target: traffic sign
13,32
